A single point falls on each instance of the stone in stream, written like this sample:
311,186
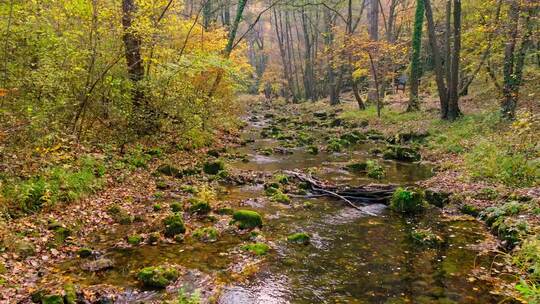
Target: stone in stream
157,277
98,265
407,200
299,238
247,219
401,153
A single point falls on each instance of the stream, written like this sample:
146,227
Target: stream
352,258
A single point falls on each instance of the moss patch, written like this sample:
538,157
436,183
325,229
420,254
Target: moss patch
174,225
257,248
299,238
247,219
407,201
157,277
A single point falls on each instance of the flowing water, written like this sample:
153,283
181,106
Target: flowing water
352,258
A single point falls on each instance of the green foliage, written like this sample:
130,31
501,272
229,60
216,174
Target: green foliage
280,197
407,201
70,294
374,170
157,277
176,207
529,291
527,258
174,225
470,210
52,299
199,206
247,219
257,248
134,239
182,298
299,238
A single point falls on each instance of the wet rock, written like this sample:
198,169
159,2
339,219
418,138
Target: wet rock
401,153
174,225
153,238
437,198
407,201
282,151
247,219
157,277
98,265
407,137
213,167
353,137
299,238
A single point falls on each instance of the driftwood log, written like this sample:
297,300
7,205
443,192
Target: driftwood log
363,195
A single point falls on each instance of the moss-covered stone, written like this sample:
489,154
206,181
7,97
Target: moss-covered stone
425,237
299,238
23,248
313,150
176,207
206,234
281,179
52,299
401,153
61,234
407,201
225,211
157,277
134,239
375,170
257,248
213,167
357,167
174,225
281,197
153,238
437,198
84,253
189,189
70,294
470,210
169,170
119,215
247,219
198,206
156,207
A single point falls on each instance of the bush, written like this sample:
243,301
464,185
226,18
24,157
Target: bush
407,201
174,225
157,277
247,219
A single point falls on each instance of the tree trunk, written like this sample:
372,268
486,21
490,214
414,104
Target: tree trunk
416,65
437,61
453,94
132,45
373,31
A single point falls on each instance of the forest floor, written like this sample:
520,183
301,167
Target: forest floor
34,245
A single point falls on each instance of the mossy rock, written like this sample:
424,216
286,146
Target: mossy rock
119,215
134,239
257,248
174,225
374,135
225,211
353,137
374,170
407,201
169,170
401,153
247,219
425,237
189,189
176,207
470,210
437,198
23,248
511,231
61,234
70,294
156,207
299,238
153,238
281,197
357,167
213,167
52,299
281,179
206,234
313,150
492,214
157,277
84,253
198,206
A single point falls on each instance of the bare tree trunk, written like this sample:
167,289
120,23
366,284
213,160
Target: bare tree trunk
328,41
453,94
373,31
132,45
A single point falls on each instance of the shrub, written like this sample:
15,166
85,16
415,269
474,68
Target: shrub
246,219
257,248
157,277
174,225
407,200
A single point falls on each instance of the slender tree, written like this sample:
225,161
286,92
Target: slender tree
416,66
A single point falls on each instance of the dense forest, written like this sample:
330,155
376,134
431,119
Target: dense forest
269,151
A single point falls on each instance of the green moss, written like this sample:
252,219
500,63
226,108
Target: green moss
119,215
206,234
189,189
271,188
153,238
84,252
70,294
357,167
157,277
247,219
299,238
61,234
174,225
52,299
281,197
198,206
281,179
157,207
469,209
313,150
257,248
374,170
307,205
401,153
225,210
407,200
425,237
437,198
213,167
134,239
176,207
